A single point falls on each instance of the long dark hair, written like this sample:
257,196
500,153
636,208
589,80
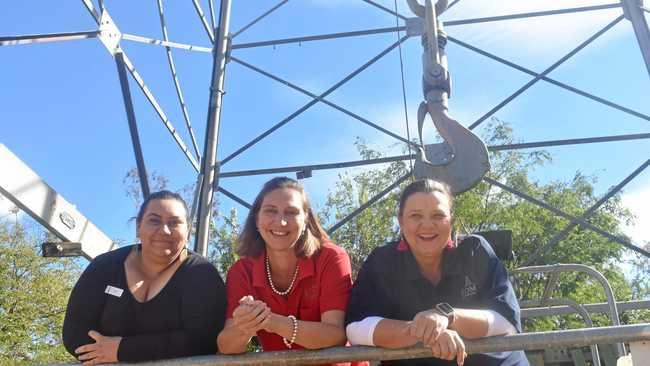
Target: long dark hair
250,242
161,195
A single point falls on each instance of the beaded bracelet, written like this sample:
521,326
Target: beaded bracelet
289,343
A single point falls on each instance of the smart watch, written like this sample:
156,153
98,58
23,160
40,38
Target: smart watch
447,310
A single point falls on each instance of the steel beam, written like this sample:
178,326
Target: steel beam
163,117
209,165
177,85
204,22
213,20
158,42
25,189
314,101
235,198
531,14
545,72
579,141
390,159
571,218
550,80
633,10
323,100
48,37
453,3
91,9
369,203
302,168
319,37
379,6
133,127
562,234
264,15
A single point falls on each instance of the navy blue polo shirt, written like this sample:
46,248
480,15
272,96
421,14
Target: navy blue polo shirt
390,285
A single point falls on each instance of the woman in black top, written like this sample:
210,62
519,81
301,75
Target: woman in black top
149,301
426,288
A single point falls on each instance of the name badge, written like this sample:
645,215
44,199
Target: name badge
117,292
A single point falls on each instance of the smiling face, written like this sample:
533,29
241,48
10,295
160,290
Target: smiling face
163,229
425,222
281,219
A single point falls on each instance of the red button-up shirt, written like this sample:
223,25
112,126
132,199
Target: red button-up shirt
324,282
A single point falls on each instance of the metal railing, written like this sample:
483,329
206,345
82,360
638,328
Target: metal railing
527,341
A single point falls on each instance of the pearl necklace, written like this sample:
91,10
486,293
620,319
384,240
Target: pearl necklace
268,275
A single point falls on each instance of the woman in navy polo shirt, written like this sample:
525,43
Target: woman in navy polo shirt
425,288
291,286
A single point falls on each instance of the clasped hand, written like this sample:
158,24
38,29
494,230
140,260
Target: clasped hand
104,350
251,315
430,328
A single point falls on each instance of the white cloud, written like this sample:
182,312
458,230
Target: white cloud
533,36
637,200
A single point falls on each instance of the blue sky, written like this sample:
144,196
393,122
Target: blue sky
62,111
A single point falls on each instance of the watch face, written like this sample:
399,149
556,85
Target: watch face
445,308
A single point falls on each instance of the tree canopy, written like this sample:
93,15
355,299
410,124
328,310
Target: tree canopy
33,296
487,207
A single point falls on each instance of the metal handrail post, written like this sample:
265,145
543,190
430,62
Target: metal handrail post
209,162
609,293
595,356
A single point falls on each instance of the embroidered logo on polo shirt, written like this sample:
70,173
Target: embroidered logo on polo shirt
469,289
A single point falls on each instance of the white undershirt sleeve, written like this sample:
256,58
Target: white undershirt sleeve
360,333
497,324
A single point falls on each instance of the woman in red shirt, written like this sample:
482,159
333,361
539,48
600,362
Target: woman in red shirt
291,286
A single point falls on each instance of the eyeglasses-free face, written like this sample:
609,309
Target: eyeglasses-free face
282,218
426,223
163,229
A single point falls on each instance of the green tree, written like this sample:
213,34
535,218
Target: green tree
487,207
33,296
224,231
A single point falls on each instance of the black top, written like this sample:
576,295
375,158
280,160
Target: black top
390,285
183,319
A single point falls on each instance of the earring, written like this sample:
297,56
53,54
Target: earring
450,244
